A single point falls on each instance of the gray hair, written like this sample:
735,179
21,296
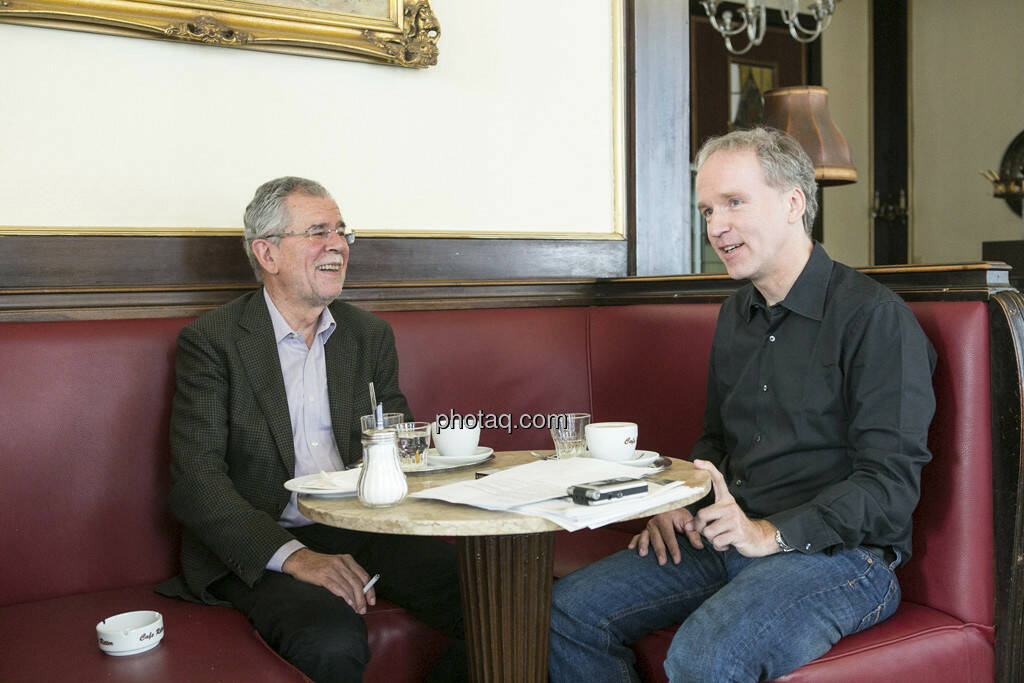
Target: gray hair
784,162
266,217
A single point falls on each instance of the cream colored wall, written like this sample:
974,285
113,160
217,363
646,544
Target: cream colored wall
968,104
511,131
846,72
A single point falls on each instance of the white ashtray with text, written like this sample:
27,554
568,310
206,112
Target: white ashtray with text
130,633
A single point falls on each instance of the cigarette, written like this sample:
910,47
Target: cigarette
369,584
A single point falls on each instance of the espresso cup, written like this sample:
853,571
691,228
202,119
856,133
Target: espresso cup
611,440
455,441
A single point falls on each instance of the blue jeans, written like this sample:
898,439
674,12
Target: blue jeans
743,619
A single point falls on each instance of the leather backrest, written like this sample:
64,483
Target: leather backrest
649,365
84,451
953,567
83,428
511,361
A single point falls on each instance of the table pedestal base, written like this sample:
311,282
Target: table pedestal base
506,599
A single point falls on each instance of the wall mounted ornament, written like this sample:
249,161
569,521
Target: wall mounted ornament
1008,184
396,32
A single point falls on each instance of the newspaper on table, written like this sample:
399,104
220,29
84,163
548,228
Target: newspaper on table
539,489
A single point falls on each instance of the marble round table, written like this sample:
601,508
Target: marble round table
506,562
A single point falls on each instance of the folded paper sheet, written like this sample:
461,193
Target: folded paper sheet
539,488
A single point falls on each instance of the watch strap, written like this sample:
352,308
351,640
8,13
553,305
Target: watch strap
783,546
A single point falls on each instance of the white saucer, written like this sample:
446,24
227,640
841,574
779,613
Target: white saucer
639,459
343,486
480,453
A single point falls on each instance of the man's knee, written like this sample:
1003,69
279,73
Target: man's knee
318,650
324,637
705,648
326,648
685,664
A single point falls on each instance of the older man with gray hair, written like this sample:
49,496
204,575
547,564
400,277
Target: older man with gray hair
270,387
815,430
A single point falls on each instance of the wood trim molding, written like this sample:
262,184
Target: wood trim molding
1007,369
962,281
75,261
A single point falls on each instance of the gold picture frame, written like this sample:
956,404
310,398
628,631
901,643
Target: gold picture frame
620,159
395,32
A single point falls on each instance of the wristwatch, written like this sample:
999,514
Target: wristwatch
783,546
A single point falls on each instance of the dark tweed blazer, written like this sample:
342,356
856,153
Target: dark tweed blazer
231,436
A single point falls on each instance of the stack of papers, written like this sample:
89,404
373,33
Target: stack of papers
539,489
570,516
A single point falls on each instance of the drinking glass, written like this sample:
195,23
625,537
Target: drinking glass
369,422
567,433
413,442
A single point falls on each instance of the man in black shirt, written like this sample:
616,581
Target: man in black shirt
815,431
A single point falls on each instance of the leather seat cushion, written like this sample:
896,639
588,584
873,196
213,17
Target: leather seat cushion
917,643
55,640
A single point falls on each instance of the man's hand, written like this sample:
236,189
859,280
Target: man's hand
725,524
660,535
339,574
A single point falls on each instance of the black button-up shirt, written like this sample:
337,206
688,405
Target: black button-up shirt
818,408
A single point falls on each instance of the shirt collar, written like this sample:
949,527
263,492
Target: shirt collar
325,325
807,295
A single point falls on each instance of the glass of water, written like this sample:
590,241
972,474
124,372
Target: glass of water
567,433
413,442
369,422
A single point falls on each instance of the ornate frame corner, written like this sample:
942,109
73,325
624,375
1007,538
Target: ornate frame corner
400,33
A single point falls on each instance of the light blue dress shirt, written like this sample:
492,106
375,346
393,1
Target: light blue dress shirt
305,385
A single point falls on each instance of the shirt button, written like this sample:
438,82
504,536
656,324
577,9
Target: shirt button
311,399
764,387
738,482
314,444
771,338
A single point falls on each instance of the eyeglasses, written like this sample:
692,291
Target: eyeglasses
318,233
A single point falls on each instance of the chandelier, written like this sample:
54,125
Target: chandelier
751,20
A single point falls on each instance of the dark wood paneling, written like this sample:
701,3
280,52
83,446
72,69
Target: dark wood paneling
890,117
56,262
69,261
661,137
1007,363
1008,251
972,281
413,259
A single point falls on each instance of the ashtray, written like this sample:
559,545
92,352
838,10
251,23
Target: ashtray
130,633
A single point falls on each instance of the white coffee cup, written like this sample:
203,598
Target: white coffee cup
455,441
611,440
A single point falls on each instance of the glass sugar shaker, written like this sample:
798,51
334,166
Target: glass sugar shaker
381,481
